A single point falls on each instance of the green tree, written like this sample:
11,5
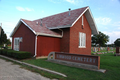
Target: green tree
117,42
3,37
8,42
100,39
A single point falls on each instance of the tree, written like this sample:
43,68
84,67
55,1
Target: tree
3,37
100,39
117,42
8,42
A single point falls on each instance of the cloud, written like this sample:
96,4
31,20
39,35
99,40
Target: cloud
28,9
74,1
71,1
24,9
103,20
119,27
113,35
55,1
20,8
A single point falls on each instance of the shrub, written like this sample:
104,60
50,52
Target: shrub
0,51
4,51
22,54
15,54
10,53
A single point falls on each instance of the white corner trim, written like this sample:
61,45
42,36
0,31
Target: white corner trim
28,26
44,34
79,16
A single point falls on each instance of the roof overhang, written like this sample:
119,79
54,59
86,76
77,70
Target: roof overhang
91,22
58,27
51,35
36,33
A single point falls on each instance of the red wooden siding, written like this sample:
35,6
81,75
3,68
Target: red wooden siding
28,41
74,37
45,45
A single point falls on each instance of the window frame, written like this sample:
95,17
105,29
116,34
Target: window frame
16,47
82,40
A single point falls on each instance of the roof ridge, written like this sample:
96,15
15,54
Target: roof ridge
25,19
60,13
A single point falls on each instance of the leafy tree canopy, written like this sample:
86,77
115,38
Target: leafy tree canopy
117,42
100,39
3,38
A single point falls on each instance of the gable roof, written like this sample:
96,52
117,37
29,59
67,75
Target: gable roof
61,20
37,29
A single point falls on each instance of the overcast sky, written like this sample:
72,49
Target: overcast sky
105,12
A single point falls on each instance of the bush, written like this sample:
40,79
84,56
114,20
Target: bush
0,51
15,54
10,53
22,54
4,51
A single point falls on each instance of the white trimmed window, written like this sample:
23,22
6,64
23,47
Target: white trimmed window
82,40
16,44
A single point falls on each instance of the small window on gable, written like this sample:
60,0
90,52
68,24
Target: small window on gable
82,40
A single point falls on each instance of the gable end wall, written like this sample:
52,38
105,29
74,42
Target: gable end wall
28,39
74,37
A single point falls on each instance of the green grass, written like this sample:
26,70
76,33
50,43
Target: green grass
108,61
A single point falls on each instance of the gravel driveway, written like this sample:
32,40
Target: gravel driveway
10,71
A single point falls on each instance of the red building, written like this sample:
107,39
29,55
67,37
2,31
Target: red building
64,32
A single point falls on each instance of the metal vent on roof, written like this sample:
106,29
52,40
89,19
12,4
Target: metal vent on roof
69,11
41,22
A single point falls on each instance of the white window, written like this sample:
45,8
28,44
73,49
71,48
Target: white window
16,44
82,40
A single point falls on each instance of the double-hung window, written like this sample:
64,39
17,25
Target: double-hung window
82,40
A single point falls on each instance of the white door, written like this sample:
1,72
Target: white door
16,44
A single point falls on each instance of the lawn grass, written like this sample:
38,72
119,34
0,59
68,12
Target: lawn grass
108,61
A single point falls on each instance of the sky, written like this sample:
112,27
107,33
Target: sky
106,13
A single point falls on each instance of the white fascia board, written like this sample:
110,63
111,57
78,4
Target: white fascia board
44,34
16,27
93,21
28,27
79,16
58,27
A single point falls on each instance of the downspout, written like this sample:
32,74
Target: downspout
12,43
35,46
